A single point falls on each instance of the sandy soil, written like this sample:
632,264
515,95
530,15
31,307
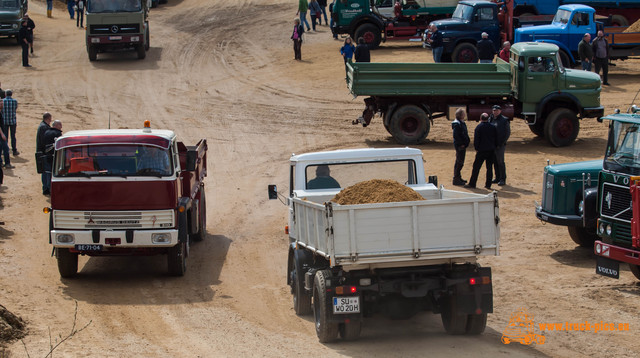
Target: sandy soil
224,70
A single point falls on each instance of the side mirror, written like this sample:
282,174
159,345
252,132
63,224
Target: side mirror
273,192
192,157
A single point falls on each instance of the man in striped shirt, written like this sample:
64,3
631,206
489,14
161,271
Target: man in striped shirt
9,108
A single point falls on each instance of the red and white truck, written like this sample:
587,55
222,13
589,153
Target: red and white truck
126,192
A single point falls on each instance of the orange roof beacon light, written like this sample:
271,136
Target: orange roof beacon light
147,124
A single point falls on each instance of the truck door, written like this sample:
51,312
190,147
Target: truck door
581,23
486,20
541,78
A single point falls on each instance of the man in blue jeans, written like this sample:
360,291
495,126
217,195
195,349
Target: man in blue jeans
70,5
436,43
303,6
9,108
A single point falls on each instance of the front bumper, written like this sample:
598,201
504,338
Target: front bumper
564,220
139,239
591,112
617,253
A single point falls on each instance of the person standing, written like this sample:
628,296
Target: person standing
70,4
505,52
347,50
4,150
461,141
323,8
486,49
600,48
30,26
40,150
49,8
485,138
503,128
9,108
332,23
49,140
23,38
361,53
81,5
303,6
315,12
436,44
585,52
296,36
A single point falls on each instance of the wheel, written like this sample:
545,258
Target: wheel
477,323
141,52
537,129
67,262
582,236
387,120
147,44
465,53
93,53
326,331
566,61
350,331
409,124
619,20
371,34
635,270
301,299
561,127
453,321
177,259
202,217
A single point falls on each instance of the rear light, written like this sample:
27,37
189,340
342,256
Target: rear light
341,290
286,229
484,280
353,289
472,281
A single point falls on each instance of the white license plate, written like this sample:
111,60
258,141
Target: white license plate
88,247
115,38
346,305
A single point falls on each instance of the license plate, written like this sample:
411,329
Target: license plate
607,267
346,305
115,38
89,247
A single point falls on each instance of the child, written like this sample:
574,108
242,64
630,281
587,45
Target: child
347,50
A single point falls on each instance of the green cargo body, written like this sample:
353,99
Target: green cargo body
429,79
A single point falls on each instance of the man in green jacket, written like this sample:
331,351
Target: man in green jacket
585,52
303,6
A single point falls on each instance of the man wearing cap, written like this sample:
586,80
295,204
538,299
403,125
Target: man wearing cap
503,129
486,49
485,139
585,52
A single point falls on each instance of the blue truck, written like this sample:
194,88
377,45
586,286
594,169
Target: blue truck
570,24
621,12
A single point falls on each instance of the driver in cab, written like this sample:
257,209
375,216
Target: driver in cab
153,160
323,179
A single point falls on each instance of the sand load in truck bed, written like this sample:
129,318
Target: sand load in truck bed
376,191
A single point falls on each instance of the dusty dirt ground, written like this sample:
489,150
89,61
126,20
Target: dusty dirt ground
224,70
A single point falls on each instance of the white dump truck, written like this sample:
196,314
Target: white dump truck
398,258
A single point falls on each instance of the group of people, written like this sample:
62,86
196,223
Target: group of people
489,140
316,8
595,52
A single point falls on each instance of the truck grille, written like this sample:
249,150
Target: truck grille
616,202
114,29
547,193
156,219
623,234
5,26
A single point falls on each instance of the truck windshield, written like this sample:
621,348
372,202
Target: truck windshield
112,160
345,175
562,17
623,151
95,6
463,12
9,4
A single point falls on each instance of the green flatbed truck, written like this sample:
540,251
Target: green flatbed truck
533,86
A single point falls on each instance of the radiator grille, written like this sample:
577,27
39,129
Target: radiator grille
616,202
155,219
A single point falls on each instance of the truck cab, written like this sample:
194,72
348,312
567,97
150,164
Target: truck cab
11,13
115,25
126,192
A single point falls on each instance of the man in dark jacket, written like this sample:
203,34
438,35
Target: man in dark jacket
504,132
361,54
486,49
600,48
585,52
30,26
23,38
49,140
460,143
40,148
485,140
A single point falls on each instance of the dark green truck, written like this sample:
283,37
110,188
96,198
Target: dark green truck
533,86
11,13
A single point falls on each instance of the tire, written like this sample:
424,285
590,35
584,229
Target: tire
477,323
67,262
147,44
561,127
177,259
141,52
454,322
582,236
326,331
537,129
619,20
566,61
93,53
202,217
465,53
635,270
301,299
371,33
409,124
350,331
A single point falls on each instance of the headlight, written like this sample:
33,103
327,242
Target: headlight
601,229
65,238
608,230
598,249
15,26
161,238
135,38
